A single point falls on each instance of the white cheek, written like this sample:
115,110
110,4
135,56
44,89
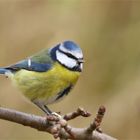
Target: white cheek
65,60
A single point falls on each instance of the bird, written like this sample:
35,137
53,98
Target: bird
49,75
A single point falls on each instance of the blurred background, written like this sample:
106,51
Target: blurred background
108,31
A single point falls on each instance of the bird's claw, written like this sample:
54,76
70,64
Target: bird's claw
56,115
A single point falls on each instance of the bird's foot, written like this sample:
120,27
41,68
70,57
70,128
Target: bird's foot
54,117
57,121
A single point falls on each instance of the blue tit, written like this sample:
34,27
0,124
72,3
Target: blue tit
49,75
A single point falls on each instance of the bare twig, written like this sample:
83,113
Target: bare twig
58,129
97,121
79,112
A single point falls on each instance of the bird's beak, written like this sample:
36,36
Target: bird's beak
81,60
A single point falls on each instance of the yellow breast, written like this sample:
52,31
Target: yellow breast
44,85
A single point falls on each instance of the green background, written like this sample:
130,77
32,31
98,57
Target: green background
108,31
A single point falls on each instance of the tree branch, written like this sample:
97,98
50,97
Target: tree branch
59,127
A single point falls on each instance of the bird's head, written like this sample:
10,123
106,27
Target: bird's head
69,55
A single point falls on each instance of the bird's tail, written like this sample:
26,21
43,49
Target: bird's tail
3,70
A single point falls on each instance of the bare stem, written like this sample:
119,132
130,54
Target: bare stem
58,129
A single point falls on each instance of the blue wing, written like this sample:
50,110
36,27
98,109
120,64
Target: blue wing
40,62
30,65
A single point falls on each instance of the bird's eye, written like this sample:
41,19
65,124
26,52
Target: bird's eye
69,55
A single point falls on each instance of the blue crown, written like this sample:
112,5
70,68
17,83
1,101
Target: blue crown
71,46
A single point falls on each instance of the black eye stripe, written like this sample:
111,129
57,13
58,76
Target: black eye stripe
69,55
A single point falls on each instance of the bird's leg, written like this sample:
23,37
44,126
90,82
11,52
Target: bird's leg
47,110
43,107
52,113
